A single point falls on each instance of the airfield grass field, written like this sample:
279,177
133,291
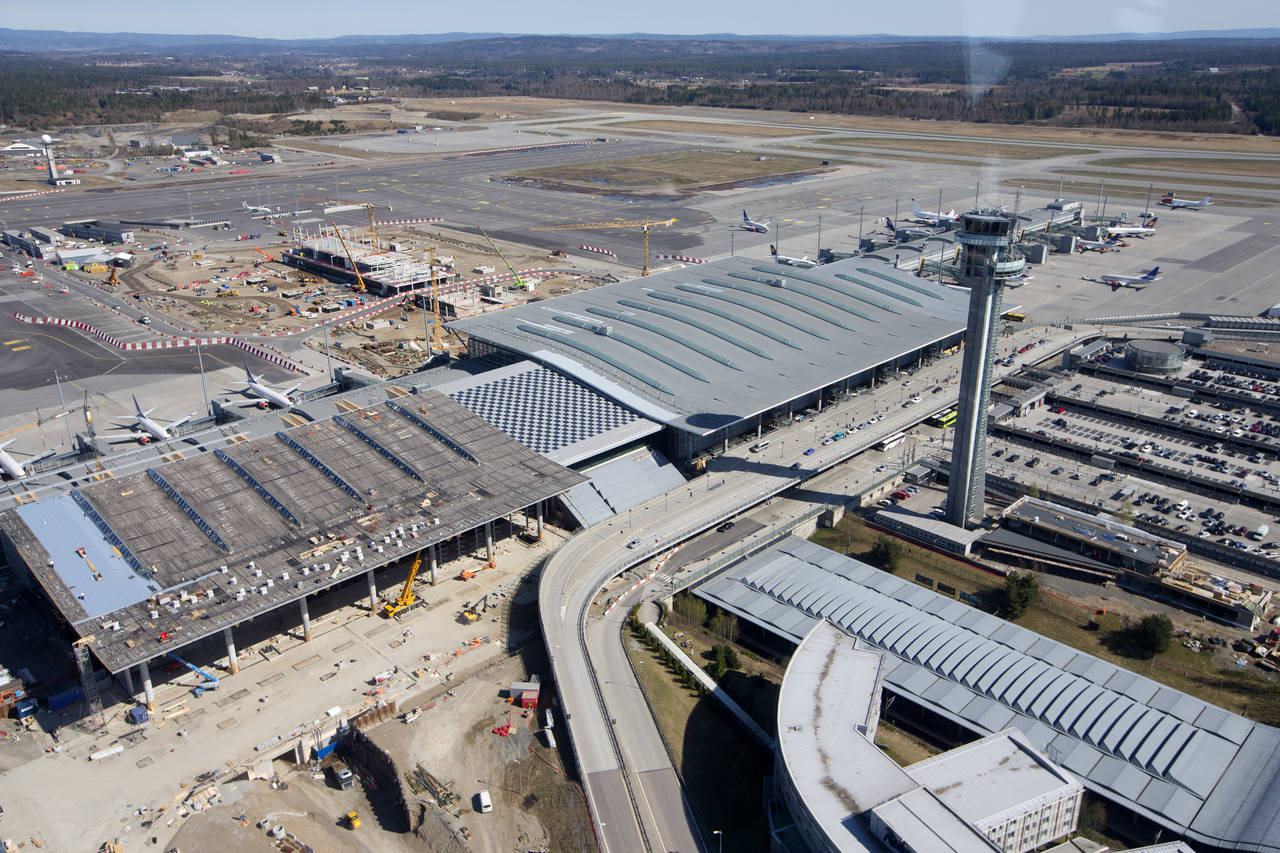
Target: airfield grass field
965,148
1196,165
727,128
684,170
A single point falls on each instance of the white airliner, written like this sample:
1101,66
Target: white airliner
150,430
1118,281
803,263
749,224
1146,229
1192,205
909,231
12,467
269,396
258,209
1099,245
932,215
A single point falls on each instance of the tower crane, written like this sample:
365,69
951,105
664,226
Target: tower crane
369,207
643,224
435,343
359,288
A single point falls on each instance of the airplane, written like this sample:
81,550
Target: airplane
932,215
1099,245
910,232
803,263
258,209
1146,229
1137,282
270,397
1176,203
12,467
150,430
749,224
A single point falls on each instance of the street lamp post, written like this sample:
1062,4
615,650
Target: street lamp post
719,839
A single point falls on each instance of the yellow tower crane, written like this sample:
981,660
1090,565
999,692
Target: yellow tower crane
359,288
644,224
369,207
436,342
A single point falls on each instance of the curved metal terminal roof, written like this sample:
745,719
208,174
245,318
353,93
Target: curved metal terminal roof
792,333
1193,767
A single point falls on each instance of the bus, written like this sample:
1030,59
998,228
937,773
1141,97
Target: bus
943,420
892,441
1014,317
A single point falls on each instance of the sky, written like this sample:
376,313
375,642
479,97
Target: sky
323,18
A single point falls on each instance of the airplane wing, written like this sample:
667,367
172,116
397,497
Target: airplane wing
180,421
294,387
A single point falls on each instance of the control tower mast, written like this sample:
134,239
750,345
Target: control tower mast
988,260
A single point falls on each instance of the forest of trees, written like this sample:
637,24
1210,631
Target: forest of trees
1208,85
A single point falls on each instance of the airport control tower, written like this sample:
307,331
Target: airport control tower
987,261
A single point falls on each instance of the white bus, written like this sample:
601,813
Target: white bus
892,441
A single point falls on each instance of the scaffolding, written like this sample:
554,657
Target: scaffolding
96,719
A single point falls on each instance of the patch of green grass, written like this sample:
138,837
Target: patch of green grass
902,746
723,768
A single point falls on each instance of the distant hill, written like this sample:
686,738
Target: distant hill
59,41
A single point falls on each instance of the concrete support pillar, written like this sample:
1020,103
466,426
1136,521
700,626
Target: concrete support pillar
128,681
373,592
724,448
433,563
539,521
488,543
306,619
759,426
148,692
233,663
820,395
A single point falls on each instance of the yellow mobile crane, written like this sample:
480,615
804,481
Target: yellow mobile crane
359,288
515,275
643,224
369,207
407,598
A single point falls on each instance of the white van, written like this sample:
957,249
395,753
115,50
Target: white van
759,445
484,804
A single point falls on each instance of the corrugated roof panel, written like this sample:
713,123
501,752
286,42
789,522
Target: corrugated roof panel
916,681
1081,759
1106,719
1171,749
1017,679
988,669
860,620
1062,686
962,654
977,706
906,630
1031,690
947,609
936,642
1084,713
1142,752
1123,726
999,674
1142,690
1070,691
977,662
1131,782
1014,637
972,621
1201,763
1120,681
1183,807
1092,669
996,718
1057,655
878,625
1107,770
1222,722
916,597
910,645
1038,734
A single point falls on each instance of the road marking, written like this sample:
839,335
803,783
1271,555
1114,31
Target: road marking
14,341
20,349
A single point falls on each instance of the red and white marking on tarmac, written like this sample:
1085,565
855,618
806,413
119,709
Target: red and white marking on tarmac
29,195
685,258
430,220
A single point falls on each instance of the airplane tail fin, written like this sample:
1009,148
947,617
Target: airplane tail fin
7,443
773,250
745,218
248,373
915,206
889,223
137,406
1151,276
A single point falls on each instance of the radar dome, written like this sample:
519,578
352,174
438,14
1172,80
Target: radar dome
46,139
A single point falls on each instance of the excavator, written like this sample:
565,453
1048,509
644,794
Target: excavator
407,598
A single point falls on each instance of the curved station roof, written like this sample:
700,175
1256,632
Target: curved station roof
705,346
1193,767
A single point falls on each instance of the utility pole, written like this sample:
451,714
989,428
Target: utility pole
203,388
62,406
